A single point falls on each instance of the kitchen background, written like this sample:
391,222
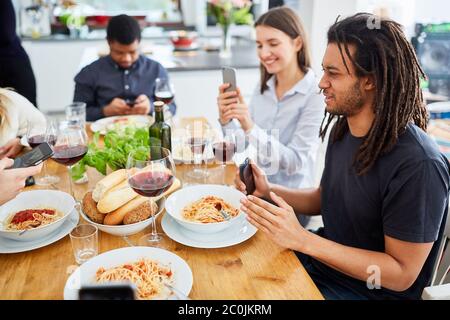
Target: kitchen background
61,38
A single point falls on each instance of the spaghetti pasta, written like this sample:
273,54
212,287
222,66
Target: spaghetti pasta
32,218
147,275
207,210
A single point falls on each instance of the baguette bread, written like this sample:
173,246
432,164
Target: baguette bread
142,212
116,197
108,182
137,209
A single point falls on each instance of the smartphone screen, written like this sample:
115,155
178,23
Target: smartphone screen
229,76
33,157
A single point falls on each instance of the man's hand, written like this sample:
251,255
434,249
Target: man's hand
116,107
262,185
12,181
280,223
141,106
11,149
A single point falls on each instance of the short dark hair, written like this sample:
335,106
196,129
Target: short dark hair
123,29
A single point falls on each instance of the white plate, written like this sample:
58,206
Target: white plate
85,274
101,125
239,233
11,246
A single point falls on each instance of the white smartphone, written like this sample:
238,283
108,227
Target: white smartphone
229,76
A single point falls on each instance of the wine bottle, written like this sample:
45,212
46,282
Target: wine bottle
160,132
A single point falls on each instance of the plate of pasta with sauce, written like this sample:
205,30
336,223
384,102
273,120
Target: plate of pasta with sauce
153,272
35,214
205,208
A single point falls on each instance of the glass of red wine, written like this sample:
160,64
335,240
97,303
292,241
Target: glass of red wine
198,139
150,174
70,146
38,133
164,90
224,150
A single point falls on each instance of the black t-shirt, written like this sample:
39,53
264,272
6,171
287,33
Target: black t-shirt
403,196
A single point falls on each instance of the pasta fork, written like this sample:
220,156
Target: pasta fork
224,214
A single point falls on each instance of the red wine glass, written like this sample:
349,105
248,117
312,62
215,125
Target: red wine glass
70,146
38,133
150,174
224,150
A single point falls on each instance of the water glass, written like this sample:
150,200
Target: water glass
84,238
76,113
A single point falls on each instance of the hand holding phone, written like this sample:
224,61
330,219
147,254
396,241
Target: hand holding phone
229,76
34,157
246,176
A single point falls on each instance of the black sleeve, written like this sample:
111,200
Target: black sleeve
85,92
415,202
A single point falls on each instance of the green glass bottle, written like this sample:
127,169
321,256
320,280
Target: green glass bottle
159,132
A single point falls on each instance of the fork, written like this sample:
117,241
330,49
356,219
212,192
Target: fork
178,293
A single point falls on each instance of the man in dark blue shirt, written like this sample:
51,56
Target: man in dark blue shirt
123,82
384,191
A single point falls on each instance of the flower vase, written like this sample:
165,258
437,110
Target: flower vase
225,48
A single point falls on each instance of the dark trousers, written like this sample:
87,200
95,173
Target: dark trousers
17,73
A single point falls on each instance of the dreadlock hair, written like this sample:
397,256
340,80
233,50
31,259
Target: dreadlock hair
385,54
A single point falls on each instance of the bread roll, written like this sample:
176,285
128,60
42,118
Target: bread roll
136,209
142,212
89,207
116,197
108,182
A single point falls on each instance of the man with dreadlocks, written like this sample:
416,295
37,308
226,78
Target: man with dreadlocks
384,190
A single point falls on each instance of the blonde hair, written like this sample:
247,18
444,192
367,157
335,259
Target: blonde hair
4,100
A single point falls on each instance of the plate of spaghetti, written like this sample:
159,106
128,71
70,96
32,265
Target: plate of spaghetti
34,214
208,210
148,269
198,208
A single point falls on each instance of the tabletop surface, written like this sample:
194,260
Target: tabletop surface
254,269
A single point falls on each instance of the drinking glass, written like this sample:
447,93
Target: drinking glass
84,239
76,113
164,90
198,138
224,150
38,133
70,146
150,174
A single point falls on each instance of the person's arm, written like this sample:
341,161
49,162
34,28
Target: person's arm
12,181
305,201
86,93
421,192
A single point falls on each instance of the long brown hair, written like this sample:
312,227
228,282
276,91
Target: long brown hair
385,54
287,21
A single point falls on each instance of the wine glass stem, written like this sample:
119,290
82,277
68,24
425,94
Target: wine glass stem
154,231
70,181
224,172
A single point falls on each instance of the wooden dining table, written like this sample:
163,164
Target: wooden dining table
254,269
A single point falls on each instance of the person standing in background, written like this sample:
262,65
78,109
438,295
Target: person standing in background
15,67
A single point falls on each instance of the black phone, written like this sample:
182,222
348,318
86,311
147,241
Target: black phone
34,157
109,291
246,175
229,76
130,102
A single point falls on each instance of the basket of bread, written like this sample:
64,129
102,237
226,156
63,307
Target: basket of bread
116,209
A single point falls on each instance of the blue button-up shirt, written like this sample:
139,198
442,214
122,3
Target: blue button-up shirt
103,80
